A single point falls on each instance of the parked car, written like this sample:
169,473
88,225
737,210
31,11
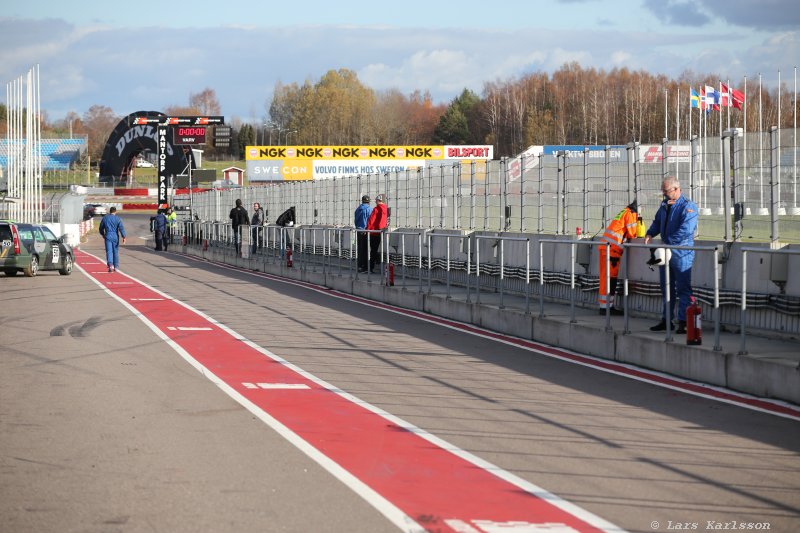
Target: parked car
29,248
91,210
143,163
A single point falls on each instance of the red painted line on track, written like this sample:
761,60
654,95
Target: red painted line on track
432,484
690,387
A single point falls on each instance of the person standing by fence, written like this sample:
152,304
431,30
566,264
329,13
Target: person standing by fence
160,224
620,229
239,218
378,220
255,231
676,222
363,211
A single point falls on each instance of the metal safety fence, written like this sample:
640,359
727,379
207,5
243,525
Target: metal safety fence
561,192
482,265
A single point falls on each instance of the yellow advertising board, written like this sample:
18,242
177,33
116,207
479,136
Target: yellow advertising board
287,163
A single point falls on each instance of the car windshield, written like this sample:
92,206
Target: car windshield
5,233
37,233
49,235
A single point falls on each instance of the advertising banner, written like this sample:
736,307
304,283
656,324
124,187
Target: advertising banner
287,163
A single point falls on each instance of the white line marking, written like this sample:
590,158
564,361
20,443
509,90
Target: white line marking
384,506
381,504
147,299
188,328
495,336
276,386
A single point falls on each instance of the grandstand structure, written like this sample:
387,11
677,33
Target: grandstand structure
57,154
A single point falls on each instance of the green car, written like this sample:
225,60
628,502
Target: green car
32,247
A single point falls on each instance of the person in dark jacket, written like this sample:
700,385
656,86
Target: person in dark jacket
676,222
286,219
363,211
378,220
256,222
239,218
111,228
160,229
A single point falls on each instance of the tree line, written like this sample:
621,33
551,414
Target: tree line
573,105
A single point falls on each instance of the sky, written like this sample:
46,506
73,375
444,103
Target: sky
148,55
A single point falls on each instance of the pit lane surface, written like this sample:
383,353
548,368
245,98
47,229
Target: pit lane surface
628,452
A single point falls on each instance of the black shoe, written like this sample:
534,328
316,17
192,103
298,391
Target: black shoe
613,312
661,326
681,327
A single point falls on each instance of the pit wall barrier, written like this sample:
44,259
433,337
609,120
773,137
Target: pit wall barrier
491,280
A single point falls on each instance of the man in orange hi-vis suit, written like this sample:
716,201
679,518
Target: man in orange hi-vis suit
620,228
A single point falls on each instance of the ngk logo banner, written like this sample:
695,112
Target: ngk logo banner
282,163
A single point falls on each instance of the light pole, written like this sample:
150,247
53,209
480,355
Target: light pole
274,127
286,139
264,133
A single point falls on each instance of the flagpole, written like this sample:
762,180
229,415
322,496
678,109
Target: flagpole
794,152
722,169
730,103
677,132
666,114
760,152
705,151
690,112
778,185
745,142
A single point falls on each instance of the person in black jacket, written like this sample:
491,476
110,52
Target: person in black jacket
255,230
286,219
239,217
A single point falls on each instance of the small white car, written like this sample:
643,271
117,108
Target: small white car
143,163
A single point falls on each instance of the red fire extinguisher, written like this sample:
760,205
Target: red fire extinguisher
289,257
694,326
389,275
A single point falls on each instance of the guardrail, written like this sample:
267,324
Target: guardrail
573,244
403,235
666,295
501,283
447,237
743,343
274,240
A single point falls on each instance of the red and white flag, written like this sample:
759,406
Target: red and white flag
737,98
724,95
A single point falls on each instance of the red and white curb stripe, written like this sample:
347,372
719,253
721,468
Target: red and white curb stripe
695,388
416,480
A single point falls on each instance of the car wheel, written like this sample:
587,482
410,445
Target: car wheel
66,270
10,272
33,269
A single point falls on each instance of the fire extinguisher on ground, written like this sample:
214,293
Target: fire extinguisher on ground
389,274
289,258
694,326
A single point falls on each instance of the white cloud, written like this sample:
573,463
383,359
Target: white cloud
130,69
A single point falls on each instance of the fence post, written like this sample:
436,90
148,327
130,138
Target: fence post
585,222
540,214
774,201
631,167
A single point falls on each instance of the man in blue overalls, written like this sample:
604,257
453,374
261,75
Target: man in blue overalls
676,222
111,229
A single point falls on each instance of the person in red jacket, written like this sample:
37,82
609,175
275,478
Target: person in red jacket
378,220
620,229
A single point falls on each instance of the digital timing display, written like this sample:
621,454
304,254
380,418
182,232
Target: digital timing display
188,135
